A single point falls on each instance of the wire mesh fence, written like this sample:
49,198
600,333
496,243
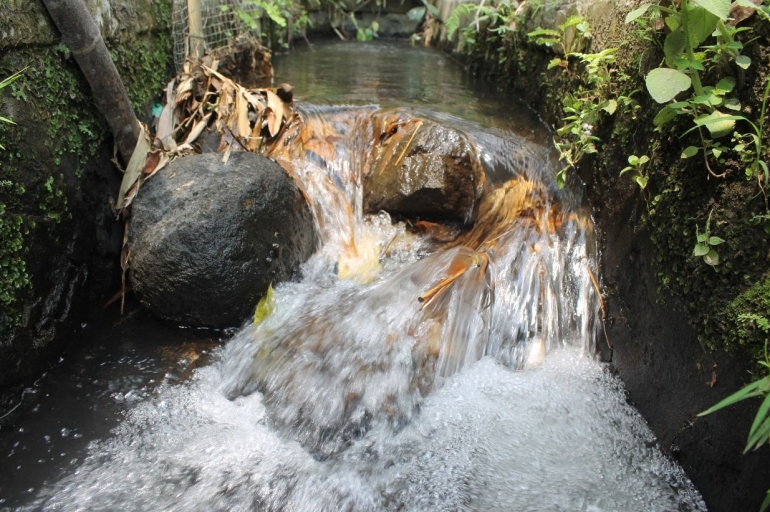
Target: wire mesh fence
221,21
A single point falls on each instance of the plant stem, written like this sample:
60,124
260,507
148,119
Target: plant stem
688,44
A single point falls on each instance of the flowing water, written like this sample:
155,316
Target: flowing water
400,372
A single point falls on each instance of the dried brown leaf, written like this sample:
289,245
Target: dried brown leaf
277,106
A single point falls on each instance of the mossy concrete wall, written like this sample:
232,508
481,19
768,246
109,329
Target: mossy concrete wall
59,239
673,321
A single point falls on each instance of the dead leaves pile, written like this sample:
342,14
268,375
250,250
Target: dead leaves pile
200,99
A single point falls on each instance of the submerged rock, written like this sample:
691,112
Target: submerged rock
208,238
423,169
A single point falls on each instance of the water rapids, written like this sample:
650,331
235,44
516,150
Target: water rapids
401,372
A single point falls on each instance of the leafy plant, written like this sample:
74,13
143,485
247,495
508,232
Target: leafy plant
712,108
499,18
570,38
288,18
637,163
584,108
759,434
705,244
365,33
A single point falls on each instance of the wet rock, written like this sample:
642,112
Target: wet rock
208,238
423,169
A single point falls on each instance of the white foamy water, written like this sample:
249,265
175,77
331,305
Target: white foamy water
556,437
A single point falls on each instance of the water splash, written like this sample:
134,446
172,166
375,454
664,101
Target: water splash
403,372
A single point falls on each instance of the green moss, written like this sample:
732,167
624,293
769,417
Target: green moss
13,269
750,312
144,62
57,119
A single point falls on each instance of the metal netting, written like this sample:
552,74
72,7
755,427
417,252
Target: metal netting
222,21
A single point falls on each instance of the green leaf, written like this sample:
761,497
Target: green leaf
732,104
701,24
641,181
672,22
633,160
743,61
673,47
625,170
432,9
416,13
712,258
690,151
726,84
700,250
664,84
265,307
718,124
716,152
636,13
759,437
715,240
761,415
665,115
719,8
610,106
702,238
643,159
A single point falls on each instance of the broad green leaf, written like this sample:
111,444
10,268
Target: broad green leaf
726,84
702,237
610,106
625,170
689,152
701,23
700,250
665,115
643,159
636,13
633,160
265,307
672,22
684,64
719,8
743,61
664,83
673,47
712,258
715,240
702,99
641,181
718,124
716,152
732,104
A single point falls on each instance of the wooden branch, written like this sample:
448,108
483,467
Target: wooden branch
81,35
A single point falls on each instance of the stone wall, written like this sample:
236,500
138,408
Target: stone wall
59,239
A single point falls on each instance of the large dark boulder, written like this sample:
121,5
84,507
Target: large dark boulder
208,238
424,169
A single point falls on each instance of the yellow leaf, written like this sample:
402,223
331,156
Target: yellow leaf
265,307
